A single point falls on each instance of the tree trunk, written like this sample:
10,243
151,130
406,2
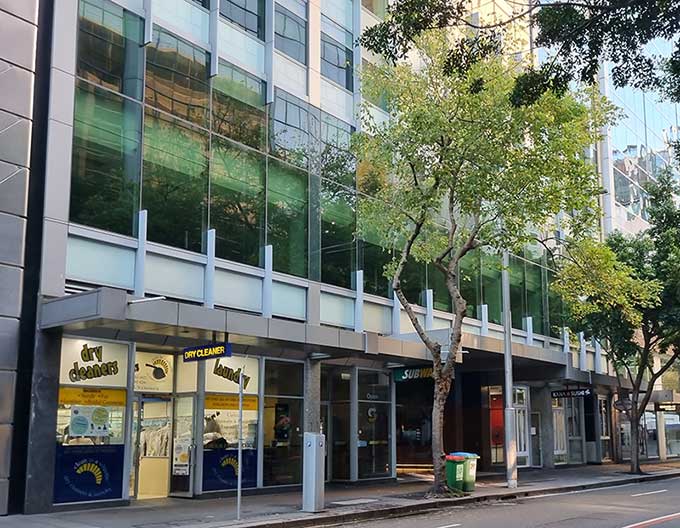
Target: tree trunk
635,440
442,386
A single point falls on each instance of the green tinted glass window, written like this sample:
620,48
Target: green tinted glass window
491,287
338,225
295,128
237,201
287,217
440,293
517,292
555,309
337,162
109,47
106,160
177,77
175,181
238,106
536,297
469,282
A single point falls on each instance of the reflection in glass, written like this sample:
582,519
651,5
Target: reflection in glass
287,217
469,282
374,448
491,286
295,126
237,180
238,106
110,51
177,77
175,181
106,160
337,62
290,34
283,378
338,225
282,441
517,290
249,14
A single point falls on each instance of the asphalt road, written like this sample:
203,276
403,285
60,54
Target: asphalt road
654,504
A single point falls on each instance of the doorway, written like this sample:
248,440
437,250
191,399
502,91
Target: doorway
536,449
162,433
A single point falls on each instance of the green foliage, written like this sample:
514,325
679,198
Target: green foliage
457,166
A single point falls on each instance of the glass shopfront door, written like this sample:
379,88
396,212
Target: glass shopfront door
183,449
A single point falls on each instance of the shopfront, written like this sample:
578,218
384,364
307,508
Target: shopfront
136,423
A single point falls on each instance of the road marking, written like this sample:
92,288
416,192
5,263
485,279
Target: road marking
649,493
657,520
450,526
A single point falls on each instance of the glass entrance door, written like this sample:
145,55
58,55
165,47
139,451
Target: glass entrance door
521,403
536,450
326,431
183,447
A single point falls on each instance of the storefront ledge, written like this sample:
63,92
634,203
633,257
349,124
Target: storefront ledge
334,517
95,505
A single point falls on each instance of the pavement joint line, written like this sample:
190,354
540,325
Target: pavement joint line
342,518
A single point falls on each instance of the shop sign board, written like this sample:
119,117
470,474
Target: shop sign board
208,351
153,372
571,393
222,374
408,374
667,407
94,363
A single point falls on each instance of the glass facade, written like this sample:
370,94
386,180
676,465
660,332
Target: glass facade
290,34
337,58
248,14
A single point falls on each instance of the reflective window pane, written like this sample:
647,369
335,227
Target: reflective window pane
491,287
249,14
287,217
237,180
374,385
290,34
295,126
283,378
177,77
373,261
536,297
238,106
469,282
110,52
374,446
338,225
517,290
175,181
436,281
337,62
337,162
106,160
377,7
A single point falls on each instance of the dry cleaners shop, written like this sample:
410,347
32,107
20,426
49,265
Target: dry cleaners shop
135,423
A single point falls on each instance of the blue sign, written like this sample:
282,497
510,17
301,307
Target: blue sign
209,351
88,473
220,469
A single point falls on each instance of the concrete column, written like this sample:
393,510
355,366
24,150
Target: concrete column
396,315
542,403
661,435
140,255
313,304
209,276
582,353
429,309
312,392
484,310
529,323
314,52
598,357
199,423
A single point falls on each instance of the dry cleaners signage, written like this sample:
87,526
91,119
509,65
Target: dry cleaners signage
95,363
209,351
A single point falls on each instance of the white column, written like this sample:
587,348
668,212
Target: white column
484,310
396,315
359,301
429,309
148,21
529,322
582,353
267,282
598,356
214,37
140,255
209,272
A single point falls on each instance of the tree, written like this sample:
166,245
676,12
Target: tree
580,33
627,294
458,167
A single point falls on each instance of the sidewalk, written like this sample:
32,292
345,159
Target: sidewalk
345,503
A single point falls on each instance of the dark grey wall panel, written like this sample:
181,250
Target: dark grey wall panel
10,291
12,233
9,343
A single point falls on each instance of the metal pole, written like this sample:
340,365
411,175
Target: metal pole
510,436
240,445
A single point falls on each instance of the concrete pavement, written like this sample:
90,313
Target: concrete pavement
345,503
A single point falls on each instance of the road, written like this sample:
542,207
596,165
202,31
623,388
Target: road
654,504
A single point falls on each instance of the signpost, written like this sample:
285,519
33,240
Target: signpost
571,393
239,473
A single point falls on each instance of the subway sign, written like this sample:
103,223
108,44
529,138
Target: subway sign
408,374
209,351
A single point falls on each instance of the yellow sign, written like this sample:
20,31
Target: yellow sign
89,396
229,402
207,351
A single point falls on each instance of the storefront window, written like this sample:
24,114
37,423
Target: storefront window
605,428
110,51
90,421
220,422
106,160
672,424
374,424
560,431
651,438
574,432
283,408
175,181
237,194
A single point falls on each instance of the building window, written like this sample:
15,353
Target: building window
177,78
106,160
469,282
238,106
237,181
175,181
110,51
290,34
287,217
249,14
338,226
294,129
283,410
377,7
337,62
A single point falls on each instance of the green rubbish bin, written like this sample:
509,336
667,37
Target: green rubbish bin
455,471
470,471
